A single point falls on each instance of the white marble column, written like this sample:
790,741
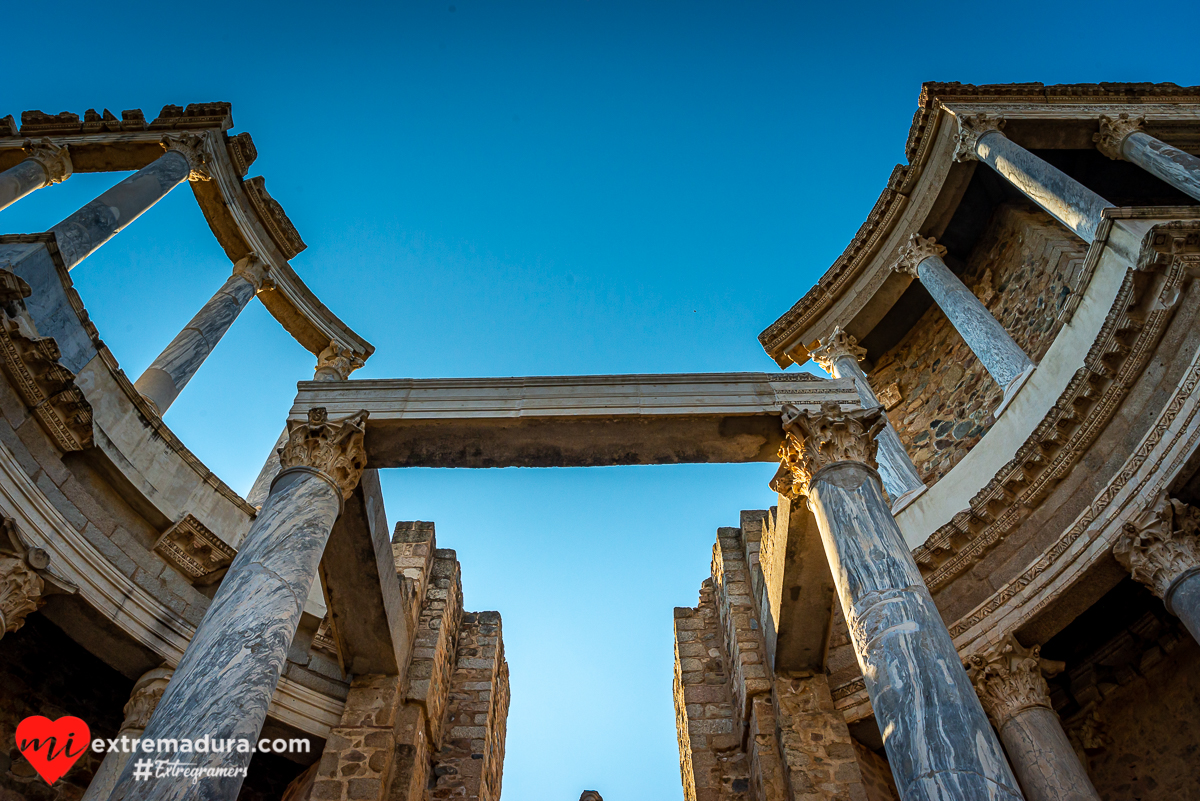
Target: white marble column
166,377
839,355
1067,200
86,230
1003,358
142,702
1160,547
1122,137
224,682
1010,684
46,164
938,739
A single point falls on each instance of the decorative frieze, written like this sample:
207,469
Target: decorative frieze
55,159
242,152
1161,544
1008,679
813,440
1113,131
835,346
970,129
195,115
335,449
916,250
191,147
336,363
194,550
273,218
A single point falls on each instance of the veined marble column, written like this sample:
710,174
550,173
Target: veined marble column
938,739
142,702
1000,355
166,377
86,230
1161,548
47,163
839,356
1067,200
224,682
1123,138
1014,693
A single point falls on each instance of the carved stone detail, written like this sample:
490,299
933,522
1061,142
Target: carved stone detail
916,250
24,581
194,550
1160,544
273,218
1113,131
145,697
890,396
1008,679
191,147
970,129
336,363
55,159
835,346
335,449
242,152
324,640
254,270
813,440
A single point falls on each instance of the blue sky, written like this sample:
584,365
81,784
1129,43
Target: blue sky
527,188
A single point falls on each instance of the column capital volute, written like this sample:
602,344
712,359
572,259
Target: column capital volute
336,363
192,147
1009,679
254,270
916,250
24,581
1113,133
1161,544
334,449
814,440
835,346
55,159
972,128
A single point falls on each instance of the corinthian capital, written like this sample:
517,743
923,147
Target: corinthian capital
191,147
335,449
145,697
834,347
1161,544
24,582
336,363
971,130
254,270
916,250
813,440
1113,132
55,159
1008,679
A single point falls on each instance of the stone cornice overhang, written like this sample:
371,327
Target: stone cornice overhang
242,216
859,288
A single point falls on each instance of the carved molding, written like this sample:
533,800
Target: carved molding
1009,680
55,159
195,551
916,250
191,147
242,152
834,347
254,270
813,440
1160,544
1113,131
335,449
24,580
273,218
147,692
324,640
336,363
890,396
970,129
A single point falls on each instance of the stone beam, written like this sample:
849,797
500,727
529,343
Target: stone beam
573,421
806,600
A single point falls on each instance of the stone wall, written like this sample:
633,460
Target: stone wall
1025,269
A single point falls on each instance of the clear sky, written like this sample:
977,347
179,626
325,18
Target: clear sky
537,188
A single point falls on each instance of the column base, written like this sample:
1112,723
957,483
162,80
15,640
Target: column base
1014,386
907,498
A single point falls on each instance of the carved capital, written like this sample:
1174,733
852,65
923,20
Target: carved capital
336,363
145,697
1008,679
970,130
1160,544
191,147
24,581
813,440
834,347
335,449
916,250
55,159
1113,131
254,270
195,551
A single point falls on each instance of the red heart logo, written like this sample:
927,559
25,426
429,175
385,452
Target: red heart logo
52,746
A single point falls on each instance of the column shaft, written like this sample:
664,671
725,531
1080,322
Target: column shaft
1183,601
17,182
1043,759
142,701
1179,169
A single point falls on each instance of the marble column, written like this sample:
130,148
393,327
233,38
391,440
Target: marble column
1122,137
1160,547
142,702
86,230
1003,358
1067,200
1010,684
225,680
938,739
839,355
46,164
166,377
